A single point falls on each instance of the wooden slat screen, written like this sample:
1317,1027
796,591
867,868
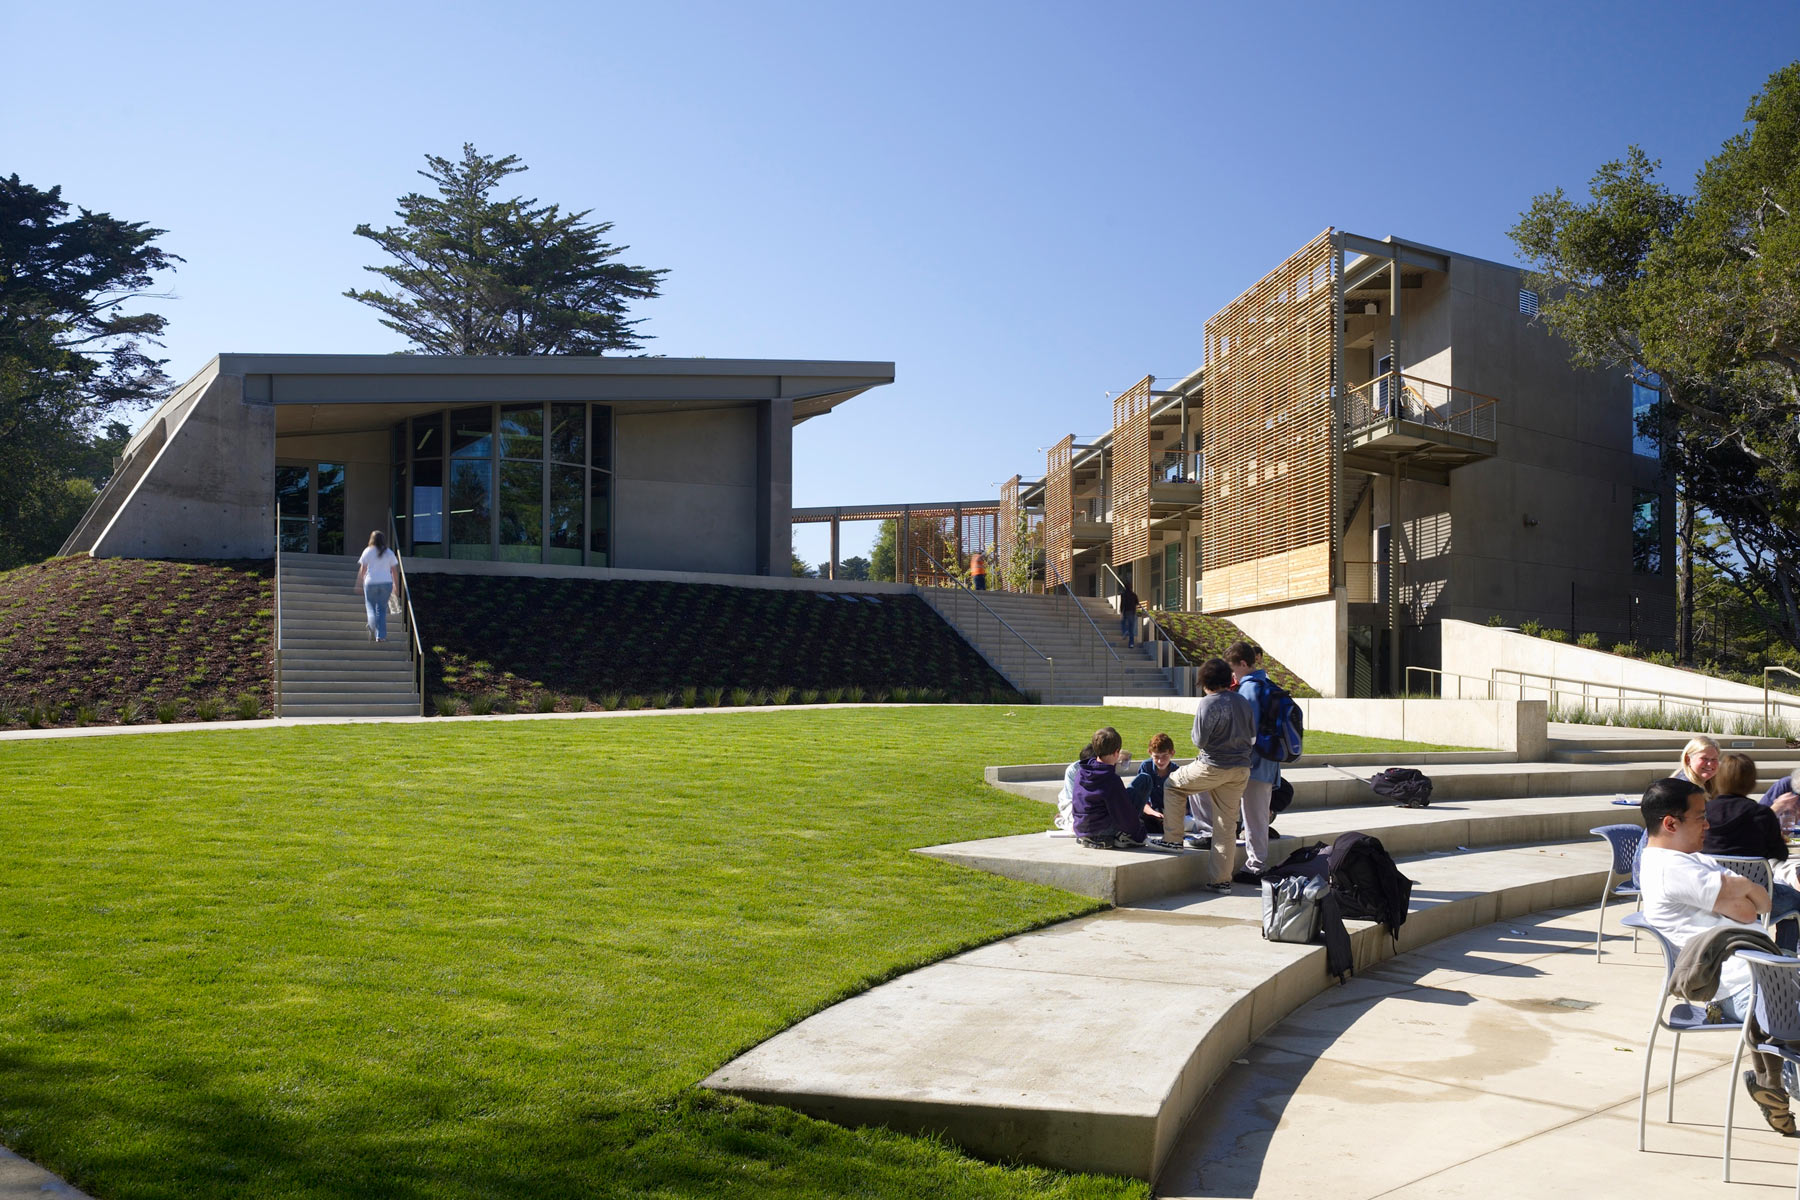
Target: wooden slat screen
1006,540
1131,472
1267,427
1059,514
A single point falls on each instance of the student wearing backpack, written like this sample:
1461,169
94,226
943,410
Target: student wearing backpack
1253,685
1224,729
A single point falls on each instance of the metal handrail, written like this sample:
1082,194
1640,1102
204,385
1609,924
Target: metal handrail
1555,685
278,610
1462,411
1487,685
999,621
414,649
1157,632
1106,680
1765,673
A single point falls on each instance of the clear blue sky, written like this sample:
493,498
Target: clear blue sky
1023,205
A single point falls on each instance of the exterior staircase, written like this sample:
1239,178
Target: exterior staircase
1085,669
328,665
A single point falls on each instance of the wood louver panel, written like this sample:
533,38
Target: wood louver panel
1006,537
1267,427
1059,514
1131,472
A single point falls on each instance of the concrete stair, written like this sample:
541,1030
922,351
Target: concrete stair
1086,670
329,668
1089,1045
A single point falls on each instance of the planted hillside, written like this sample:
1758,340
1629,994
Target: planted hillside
499,644
1201,637
121,640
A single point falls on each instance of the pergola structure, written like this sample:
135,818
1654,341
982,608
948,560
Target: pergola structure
933,539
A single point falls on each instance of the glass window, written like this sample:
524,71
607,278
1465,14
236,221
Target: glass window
521,512
471,508
522,431
428,507
1646,532
1646,417
428,436
293,504
471,432
602,428
329,517
599,516
568,433
566,523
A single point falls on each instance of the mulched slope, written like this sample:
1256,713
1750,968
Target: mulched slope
1201,636
101,640
579,643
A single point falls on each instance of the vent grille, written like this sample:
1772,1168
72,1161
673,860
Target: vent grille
1528,302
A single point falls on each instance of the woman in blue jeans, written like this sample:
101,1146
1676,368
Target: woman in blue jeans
377,575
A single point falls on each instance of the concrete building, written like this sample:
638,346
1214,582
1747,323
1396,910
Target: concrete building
1382,436
661,464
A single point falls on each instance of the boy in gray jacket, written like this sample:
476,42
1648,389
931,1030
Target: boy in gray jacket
1224,735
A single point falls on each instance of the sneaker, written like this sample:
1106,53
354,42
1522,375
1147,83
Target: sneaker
1095,843
1221,888
1274,833
1162,844
1126,842
1247,876
1774,1105
1197,843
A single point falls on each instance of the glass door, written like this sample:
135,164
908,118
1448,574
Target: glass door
310,499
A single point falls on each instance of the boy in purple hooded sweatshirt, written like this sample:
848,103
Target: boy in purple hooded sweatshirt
1106,818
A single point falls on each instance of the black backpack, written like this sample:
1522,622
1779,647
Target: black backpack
1405,786
1368,886
1311,862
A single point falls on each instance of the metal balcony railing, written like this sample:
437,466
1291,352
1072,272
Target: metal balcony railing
1398,397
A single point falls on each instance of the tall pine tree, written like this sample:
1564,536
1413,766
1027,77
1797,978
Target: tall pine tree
477,275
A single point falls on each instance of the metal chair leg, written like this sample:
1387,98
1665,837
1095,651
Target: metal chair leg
1674,1057
1600,929
1644,1091
1737,1060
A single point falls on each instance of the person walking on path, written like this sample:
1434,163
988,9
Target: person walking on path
1225,735
978,571
1128,606
1259,790
377,578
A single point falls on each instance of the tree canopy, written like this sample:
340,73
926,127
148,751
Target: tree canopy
477,275
73,350
1702,292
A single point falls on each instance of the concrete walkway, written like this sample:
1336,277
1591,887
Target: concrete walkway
20,1180
1499,1062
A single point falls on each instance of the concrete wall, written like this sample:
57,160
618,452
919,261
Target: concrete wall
1554,507
1578,675
1518,727
1308,638
209,492
685,492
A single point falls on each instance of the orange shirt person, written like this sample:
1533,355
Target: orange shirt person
978,571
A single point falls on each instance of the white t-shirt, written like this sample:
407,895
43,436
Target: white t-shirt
378,565
1679,893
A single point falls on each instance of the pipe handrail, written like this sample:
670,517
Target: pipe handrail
1765,674
1099,636
277,705
1554,685
1157,632
998,619
414,649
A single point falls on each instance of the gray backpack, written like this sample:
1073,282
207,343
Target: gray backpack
1290,908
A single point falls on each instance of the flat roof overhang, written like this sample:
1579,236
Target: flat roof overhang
422,382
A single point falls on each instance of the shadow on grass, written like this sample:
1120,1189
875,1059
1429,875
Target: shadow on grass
186,1134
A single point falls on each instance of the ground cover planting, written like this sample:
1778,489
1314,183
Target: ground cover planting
491,959
1201,637
501,644
115,641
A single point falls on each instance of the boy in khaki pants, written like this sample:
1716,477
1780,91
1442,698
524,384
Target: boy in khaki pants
1224,735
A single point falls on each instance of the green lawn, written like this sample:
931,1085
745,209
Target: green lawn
490,959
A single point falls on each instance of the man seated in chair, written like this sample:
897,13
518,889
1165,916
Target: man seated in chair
1686,893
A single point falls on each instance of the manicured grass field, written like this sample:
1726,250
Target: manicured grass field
490,959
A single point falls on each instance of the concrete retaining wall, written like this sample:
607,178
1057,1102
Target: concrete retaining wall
1579,676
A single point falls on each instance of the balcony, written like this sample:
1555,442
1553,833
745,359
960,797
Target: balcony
1433,426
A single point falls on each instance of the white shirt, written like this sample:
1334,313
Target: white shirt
1679,893
378,565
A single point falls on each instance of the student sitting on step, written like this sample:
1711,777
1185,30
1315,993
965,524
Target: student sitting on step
1105,817
1147,785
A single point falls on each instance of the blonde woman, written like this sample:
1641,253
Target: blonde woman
1700,764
